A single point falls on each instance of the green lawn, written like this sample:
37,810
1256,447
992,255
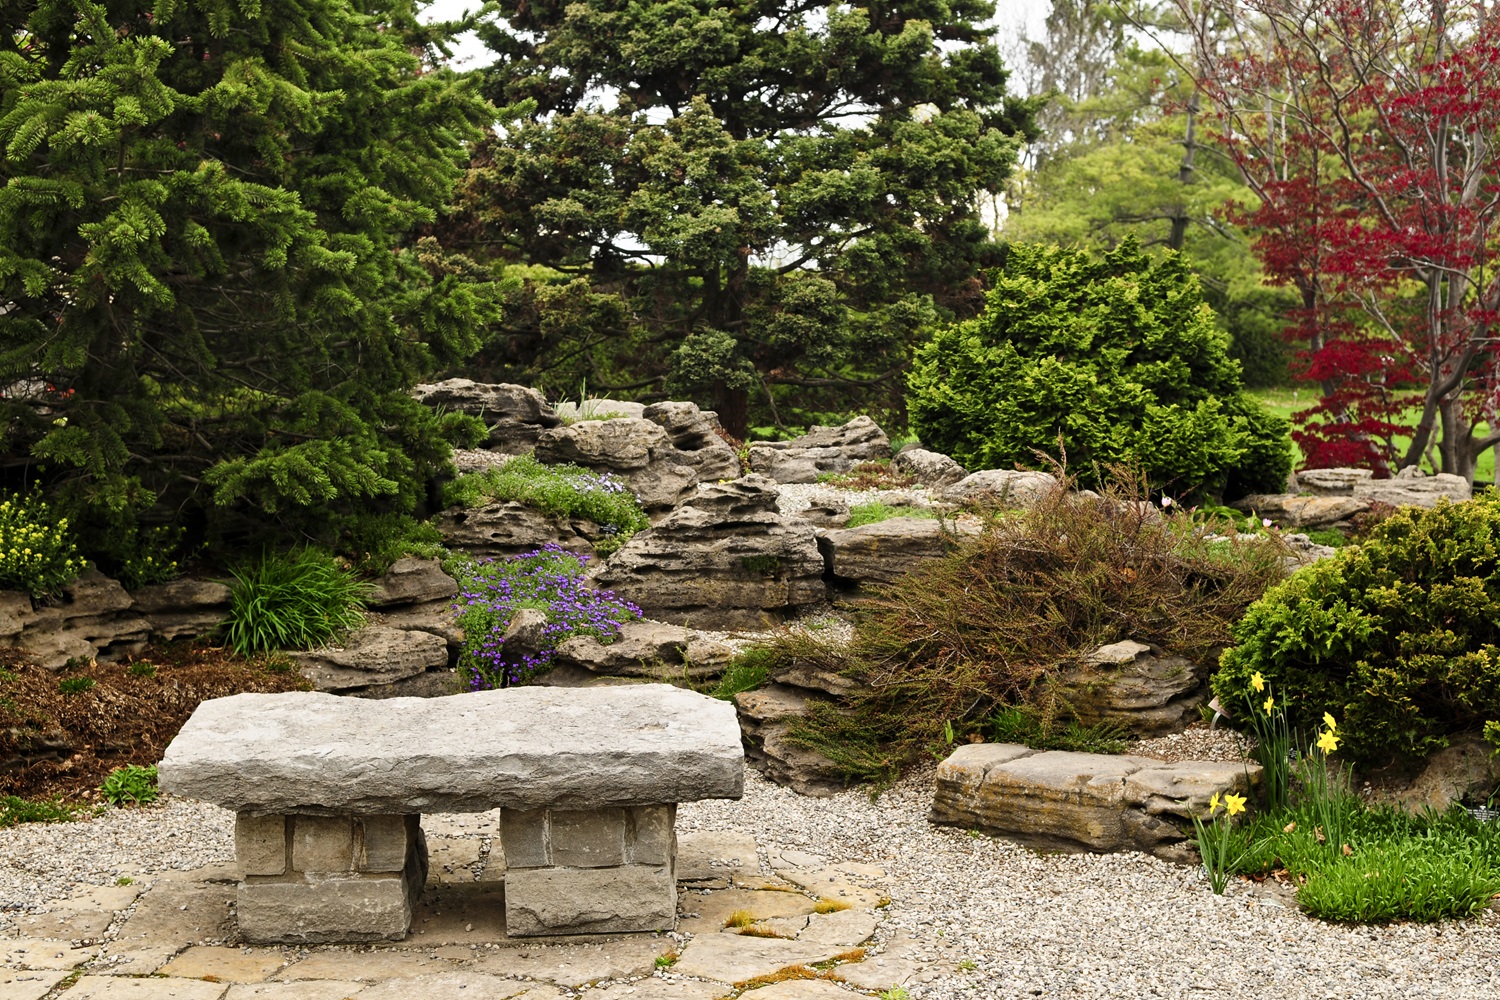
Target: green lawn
1285,402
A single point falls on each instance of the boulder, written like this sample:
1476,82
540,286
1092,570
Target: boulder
885,551
515,414
1056,800
930,468
727,559
92,618
826,512
1303,512
764,716
411,581
647,649
820,450
695,435
638,450
1466,771
1130,684
373,655
1004,487
1411,488
183,608
505,529
435,617
1329,482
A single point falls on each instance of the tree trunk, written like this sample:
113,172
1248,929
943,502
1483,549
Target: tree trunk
733,406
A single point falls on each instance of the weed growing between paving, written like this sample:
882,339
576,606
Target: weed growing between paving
963,636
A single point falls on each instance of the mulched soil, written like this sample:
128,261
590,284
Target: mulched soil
55,744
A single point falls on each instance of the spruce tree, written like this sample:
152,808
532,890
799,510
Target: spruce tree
752,203
211,297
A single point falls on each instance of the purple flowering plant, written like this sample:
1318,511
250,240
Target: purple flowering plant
549,579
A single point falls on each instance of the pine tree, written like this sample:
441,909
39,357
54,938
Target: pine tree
748,202
210,294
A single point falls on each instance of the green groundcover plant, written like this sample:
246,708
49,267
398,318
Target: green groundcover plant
1399,637
132,784
559,490
292,600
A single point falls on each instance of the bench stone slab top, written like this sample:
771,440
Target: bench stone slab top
517,748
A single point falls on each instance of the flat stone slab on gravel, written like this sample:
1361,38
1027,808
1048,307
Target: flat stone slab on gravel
29,953
659,989
715,859
320,989
226,965
805,989
576,965
366,966
123,988
462,986
19,985
521,748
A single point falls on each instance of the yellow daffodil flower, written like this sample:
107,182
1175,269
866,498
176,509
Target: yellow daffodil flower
1213,804
1327,742
1269,704
1257,682
1234,804
1328,721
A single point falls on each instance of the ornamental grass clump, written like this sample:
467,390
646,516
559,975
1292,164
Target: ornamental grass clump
963,636
560,490
37,554
548,579
292,600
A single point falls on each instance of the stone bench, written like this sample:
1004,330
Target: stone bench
329,791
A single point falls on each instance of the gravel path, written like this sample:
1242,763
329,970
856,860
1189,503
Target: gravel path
1066,926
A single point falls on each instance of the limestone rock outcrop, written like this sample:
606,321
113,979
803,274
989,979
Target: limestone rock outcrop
765,715
647,649
639,451
1332,498
515,414
694,434
1055,799
930,468
1001,487
1130,684
373,656
505,529
820,450
885,551
726,559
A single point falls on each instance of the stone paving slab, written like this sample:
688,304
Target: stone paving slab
805,989
365,966
310,989
168,918
458,913
121,988
464,985
715,859
735,958
576,965
226,965
30,953
16,984
84,917
659,989
715,907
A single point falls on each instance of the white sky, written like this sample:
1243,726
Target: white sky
1013,16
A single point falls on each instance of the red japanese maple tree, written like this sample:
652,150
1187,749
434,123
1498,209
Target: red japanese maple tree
1368,130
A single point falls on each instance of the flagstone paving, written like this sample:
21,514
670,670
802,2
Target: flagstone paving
799,924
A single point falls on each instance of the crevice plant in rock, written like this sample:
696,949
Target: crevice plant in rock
549,579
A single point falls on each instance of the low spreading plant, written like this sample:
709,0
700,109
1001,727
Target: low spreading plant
873,475
15,810
549,579
875,512
292,600
559,490
1399,636
745,672
75,685
1028,727
132,784
37,553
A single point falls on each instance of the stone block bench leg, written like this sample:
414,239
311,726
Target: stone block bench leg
589,871
312,879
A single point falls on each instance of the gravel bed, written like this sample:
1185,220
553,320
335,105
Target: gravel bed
797,497
1197,742
1120,925
41,862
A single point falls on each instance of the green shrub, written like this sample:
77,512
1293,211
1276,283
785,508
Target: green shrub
875,512
374,542
1398,637
1099,361
75,685
1265,460
37,554
131,784
559,490
292,600
153,557
745,672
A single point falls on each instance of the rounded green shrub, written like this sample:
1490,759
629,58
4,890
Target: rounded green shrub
1398,637
292,600
37,553
1104,361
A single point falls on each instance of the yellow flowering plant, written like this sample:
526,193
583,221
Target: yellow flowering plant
1214,839
37,554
